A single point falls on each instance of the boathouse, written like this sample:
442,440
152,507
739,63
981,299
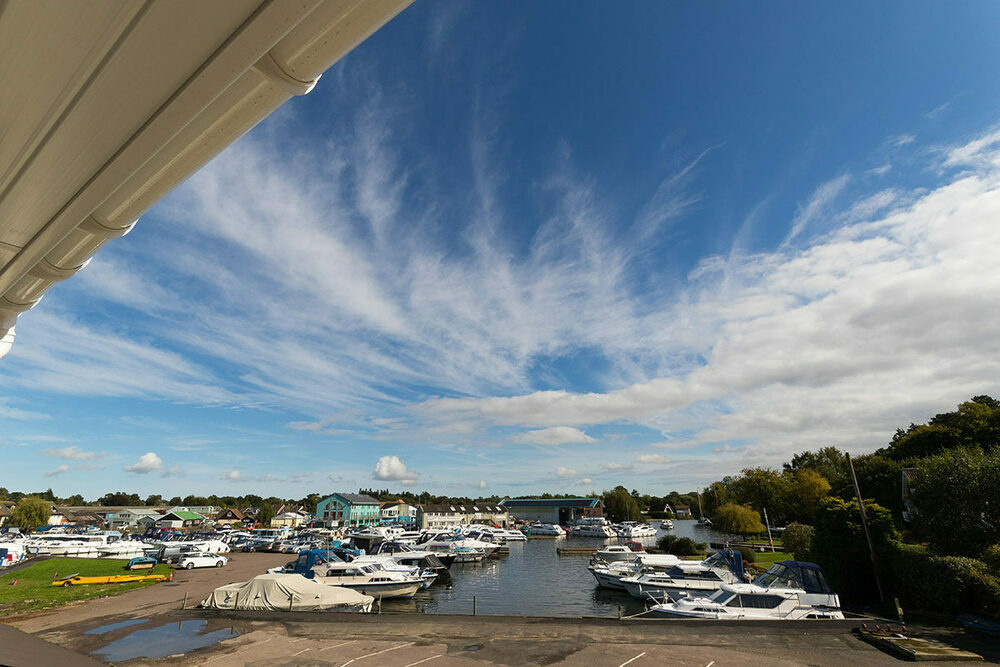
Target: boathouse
553,510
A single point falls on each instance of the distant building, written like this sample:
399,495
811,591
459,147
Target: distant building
398,511
179,519
203,510
289,520
682,511
461,514
128,517
347,509
6,507
229,516
553,510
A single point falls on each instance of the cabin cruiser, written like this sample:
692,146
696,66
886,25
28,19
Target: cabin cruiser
547,529
66,545
389,564
609,574
636,529
687,578
368,579
434,541
667,524
595,528
614,552
407,555
789,590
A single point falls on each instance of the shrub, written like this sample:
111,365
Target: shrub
681,546
749,555
945,584
797,539
991,556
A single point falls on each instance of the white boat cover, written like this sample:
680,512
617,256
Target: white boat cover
286,592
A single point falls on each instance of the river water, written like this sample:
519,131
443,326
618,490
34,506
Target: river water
534,580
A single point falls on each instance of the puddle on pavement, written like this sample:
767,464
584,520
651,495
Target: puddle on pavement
163,640
114,626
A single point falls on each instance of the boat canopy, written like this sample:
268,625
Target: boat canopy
286,592
795,574
733,560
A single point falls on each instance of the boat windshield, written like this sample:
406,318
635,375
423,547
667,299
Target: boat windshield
721,596
806,577
715,560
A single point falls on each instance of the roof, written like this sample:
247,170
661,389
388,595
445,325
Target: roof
231,510
183,515
682,507
357,498
152,91
528,503
463,508
393,502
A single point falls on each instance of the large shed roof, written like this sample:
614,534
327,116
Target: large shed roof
533,503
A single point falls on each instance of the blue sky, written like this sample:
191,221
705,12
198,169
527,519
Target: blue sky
517,247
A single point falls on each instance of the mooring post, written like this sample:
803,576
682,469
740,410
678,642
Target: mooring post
184,602
474,605
619,612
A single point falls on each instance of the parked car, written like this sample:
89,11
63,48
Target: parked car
193,560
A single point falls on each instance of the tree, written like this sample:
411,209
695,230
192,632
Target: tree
956,500
809,487
619,505
154,499
265,512
30,513
737,520
840,548
762,489
76,500
797,539
827,461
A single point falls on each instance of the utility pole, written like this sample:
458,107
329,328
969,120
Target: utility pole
864,523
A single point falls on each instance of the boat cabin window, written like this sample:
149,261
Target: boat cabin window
756,601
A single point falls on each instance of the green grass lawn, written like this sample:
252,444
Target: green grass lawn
34,589
766,558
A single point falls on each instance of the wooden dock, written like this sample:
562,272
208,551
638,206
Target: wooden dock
576,551
915,649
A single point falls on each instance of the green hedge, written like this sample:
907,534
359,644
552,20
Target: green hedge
944,584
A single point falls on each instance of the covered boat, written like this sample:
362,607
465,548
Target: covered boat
286,592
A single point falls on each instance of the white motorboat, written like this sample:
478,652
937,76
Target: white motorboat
547,530
65,545
633,529
593,526
667,524
614,552
789,590
368,579
609,574
687,578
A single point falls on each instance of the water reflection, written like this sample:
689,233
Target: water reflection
163,640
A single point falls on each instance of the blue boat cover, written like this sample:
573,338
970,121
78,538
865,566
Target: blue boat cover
734,561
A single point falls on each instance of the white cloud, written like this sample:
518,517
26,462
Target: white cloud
58,470
232,476
655,459
147,463
613,465
554,435
173,471
73,453
8,412
392,468
585,481
886,320
566,472
902,140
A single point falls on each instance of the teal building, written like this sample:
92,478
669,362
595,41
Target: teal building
347,509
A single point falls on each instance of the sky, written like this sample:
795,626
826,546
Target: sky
516,247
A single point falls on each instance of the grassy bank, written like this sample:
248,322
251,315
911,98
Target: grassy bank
34,589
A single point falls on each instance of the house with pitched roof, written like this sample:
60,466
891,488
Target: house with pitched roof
559,511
